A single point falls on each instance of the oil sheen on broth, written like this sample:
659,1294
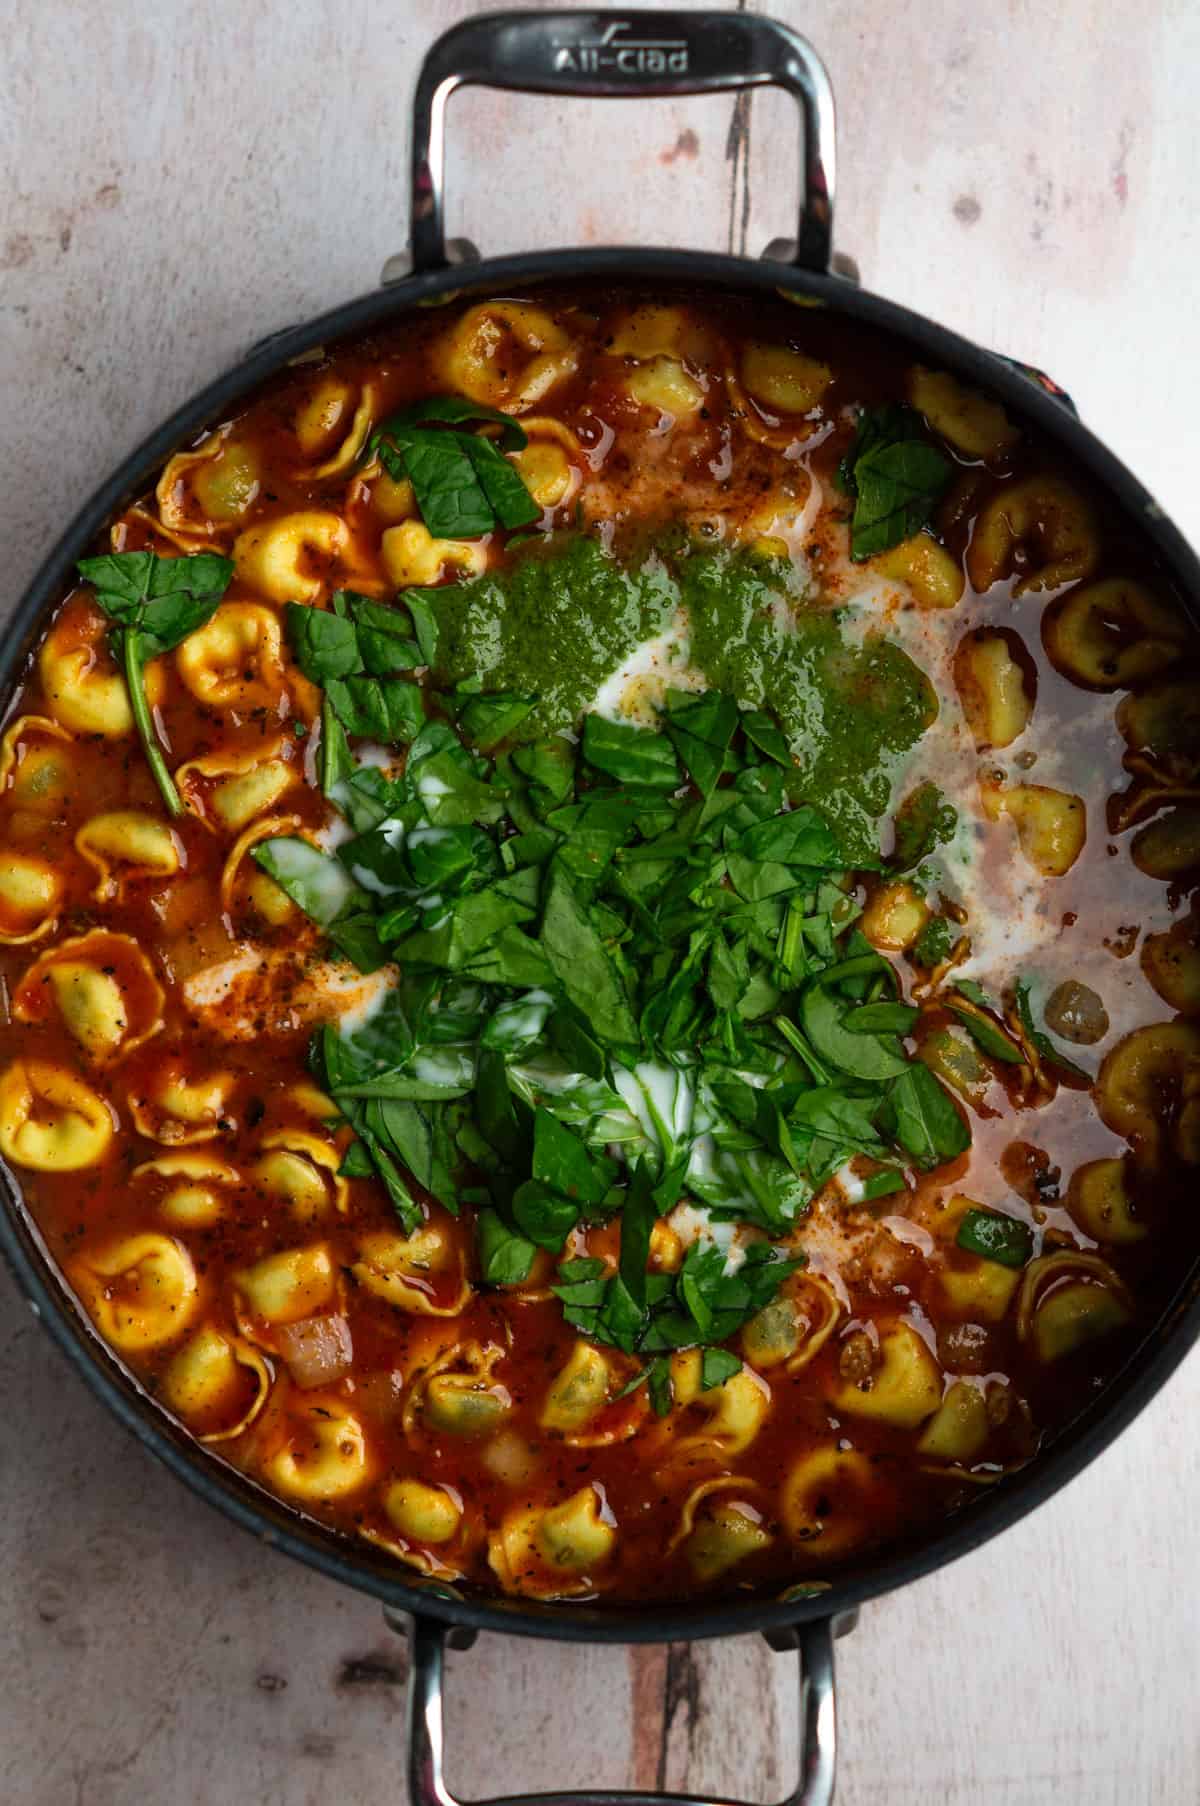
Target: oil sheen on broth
609,1005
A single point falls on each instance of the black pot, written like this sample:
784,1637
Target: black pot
599,53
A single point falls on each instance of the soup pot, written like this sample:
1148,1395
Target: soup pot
607,54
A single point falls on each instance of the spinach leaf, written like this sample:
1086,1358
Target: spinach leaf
582,964
486,720
463,484
505,1258
632,755
896,476
389,709
154,603
928,1126
994,1236
988,1035
716,1366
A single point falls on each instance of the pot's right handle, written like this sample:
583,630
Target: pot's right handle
426,1770
621,54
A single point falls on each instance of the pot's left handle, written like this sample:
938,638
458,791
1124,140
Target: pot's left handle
426,1769
613,54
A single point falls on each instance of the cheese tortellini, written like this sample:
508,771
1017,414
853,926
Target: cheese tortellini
318,1450
84,690
101,986
1051,824
553,1551
301,1171
174,1108
217,1383
507,354
235,661
125,847
288,559
230,789
1045,520
50,1120
31,891
142,1290
903,1388
422,1273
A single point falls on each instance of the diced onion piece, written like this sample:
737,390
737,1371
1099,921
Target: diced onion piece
318,1350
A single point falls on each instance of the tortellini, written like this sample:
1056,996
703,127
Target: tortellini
229,789
50,1120
31,891
286,1287
172,1108
141,1290
1112,634
1169,846
235,661
934,578
550,1552
993,688
192,1187
826,1498
38,777
971,1287
1051,824
217,1383
959,1427
301,1171
784,381
427,1527
213,484
1148,1090
84,690
904,1388
968,420
507,354
1163,723
332,420
102,986
1100,1203
664,385
289,559
457,1394
125,847
269,900
422,1513
1042,518
1068,1300
718,1531
548,464
794,1326
732,1412
895,916
422,1272
318,1450
412,556
583,1388
1171,961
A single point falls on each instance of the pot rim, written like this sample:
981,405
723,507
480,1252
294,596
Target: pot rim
1128,1392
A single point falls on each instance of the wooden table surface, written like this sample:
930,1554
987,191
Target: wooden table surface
177,181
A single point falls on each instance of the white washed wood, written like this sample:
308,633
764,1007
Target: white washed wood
178,181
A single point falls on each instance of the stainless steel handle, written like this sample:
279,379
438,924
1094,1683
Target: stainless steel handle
426,1771
621,54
